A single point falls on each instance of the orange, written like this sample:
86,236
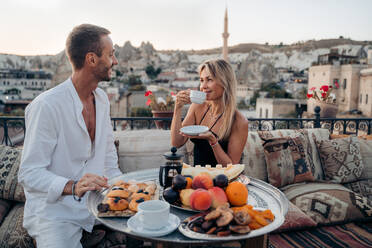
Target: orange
237,193
189,182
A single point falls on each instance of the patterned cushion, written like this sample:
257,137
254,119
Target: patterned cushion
10,159
363,187
366,152
12,233
341,159
311,135
296,219
329,203
5,207
287,161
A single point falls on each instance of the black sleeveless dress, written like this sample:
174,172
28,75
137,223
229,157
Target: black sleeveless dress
203,152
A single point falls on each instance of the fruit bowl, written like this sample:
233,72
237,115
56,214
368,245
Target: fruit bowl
203,193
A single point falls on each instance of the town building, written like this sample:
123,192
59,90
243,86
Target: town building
350,79
279,107
23,84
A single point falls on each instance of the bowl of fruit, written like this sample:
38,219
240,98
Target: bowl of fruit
202,192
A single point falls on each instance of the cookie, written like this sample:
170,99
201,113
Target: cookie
117,204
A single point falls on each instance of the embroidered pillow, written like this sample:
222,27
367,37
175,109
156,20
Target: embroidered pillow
341,159
287,161
10,189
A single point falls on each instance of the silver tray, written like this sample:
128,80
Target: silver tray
261,195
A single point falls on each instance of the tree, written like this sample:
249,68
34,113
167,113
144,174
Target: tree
273,91
151,72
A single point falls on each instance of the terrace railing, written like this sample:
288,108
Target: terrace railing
12,129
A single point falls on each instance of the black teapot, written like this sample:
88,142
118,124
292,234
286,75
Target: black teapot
172,167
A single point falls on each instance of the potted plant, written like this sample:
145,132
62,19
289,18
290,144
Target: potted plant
325,100
160,107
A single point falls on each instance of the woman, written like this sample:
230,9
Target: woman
228,128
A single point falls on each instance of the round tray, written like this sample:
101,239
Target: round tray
261,195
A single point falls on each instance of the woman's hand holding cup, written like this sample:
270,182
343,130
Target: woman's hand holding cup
182,98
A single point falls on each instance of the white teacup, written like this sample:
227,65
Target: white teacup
197,96
153,214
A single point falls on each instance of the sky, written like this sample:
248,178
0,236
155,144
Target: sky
31,27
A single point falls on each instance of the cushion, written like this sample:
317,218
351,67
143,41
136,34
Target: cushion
295,219
143,149
341,159
363,187
329,203
366,152
311,135
254,158
365,145
12,233
287,161
5,207
10,159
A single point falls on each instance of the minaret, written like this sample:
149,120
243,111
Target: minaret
225,35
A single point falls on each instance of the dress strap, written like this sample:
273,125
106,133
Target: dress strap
204,114
216,121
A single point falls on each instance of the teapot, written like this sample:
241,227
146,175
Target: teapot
171,168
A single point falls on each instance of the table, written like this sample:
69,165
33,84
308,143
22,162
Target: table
261,195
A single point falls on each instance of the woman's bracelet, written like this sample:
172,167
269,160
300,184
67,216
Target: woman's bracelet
76,198
214,144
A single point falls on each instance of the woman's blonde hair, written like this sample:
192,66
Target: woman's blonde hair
223,73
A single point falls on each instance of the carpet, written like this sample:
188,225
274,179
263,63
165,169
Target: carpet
356,235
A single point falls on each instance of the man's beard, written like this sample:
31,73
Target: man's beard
103,74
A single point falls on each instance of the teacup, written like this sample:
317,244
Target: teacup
153,214
197,97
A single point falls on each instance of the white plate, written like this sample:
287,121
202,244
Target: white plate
135,226
194,130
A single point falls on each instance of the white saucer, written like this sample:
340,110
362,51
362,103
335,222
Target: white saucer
135,226
194,129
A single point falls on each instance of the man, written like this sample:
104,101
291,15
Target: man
69,148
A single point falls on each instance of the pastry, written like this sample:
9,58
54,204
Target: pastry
133,188
231,170
150,189
118,192
133,205
142,185
145,196
117,204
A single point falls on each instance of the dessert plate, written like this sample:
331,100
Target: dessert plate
136,226
194,129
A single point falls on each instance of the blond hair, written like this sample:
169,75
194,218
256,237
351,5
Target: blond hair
223,73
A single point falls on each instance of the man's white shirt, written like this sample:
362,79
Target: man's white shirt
58,148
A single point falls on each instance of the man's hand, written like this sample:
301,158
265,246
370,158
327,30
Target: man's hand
90,182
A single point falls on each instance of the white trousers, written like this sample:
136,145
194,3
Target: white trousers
52,234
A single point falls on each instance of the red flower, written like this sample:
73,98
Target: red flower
309,96
173,94
149,92
148,102
324,95
324,88
313,88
